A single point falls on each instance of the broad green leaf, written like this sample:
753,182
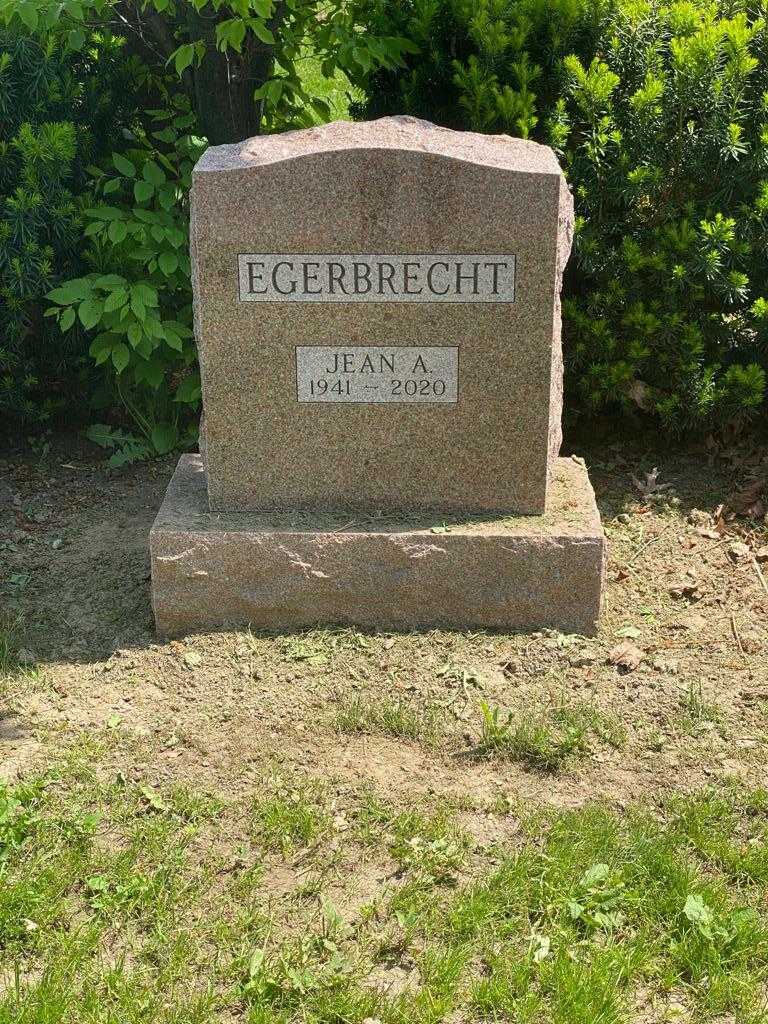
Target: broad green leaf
138,308
322,108
102,355
105,213
123,165
110,281
76,39
90,313
168,261
28,14
167,197
102,434
173,341
143,190
67,318
152,372
271,91
134,334
101,347
362,57
145,294
65,294
189,390
145,216
594,874
121,356
153,173
115,300
117,231
697,911
146,347
164,437
153,328
261,30
183,57
181,329
230,33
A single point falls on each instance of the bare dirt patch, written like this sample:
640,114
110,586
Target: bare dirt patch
680,664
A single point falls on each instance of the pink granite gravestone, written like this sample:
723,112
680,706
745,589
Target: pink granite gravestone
377,313
378,318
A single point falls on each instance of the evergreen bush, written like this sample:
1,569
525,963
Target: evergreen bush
659,112
57,109
664,137
482,65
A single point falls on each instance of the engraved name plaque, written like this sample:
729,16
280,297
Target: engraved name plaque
377,373
346,277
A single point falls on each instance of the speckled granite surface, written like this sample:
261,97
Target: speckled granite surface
290,570
393,186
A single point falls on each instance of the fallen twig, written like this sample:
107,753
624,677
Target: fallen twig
735,631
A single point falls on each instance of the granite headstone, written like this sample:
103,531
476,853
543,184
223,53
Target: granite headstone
377,311
377,314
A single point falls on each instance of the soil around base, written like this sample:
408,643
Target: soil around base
217,709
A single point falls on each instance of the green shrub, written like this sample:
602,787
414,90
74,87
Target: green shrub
482,65
57,109
239,62
664,137
659,112
138,296
120,263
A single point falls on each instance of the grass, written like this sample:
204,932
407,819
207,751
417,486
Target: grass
388,717
428,844
547,738
697,709
289,816
136,903
10,642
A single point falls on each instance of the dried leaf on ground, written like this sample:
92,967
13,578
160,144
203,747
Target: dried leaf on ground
710,532
626,656
747,501
686,588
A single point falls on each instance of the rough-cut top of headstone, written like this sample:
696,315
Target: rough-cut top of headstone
400,133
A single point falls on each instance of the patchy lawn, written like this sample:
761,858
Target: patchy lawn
336,826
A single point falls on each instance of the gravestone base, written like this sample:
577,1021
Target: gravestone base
282,571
